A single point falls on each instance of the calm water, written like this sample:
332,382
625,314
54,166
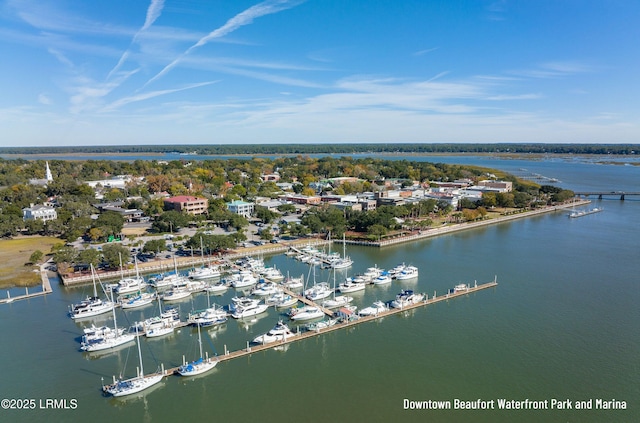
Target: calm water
562,324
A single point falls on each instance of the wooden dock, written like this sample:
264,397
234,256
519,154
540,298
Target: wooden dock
338,326
46,289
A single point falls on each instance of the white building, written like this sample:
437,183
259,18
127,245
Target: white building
42,212
242,208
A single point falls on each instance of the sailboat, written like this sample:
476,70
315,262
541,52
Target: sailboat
344,261
104,343
90,306
340,300
204,272
134,385
199,366
129,285
161,325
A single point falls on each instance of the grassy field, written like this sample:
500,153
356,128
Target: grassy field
15,253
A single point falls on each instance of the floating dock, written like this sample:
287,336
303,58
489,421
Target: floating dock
338,326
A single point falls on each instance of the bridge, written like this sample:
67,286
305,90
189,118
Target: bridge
600,194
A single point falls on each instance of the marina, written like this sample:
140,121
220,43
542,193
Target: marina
530,337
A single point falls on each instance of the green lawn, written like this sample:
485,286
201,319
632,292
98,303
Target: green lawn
15,253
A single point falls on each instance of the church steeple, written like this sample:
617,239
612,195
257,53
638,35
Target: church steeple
48,175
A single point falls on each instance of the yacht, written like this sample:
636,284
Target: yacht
318,291
92,305
382,279
405,298
377,308
217,287
352,285
461,287
206,272
293,283
208,317
281,300
371,273
105,343
409,272
305,313
246,307
272,274
139,299
161,325
243,279
176,293
337,301
280,332
265,288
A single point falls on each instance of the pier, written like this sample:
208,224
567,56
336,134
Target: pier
344,325
46,289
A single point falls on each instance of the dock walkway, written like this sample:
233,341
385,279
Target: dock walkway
363,319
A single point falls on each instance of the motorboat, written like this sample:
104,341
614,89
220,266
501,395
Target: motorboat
272,274
305,313
161,325
377,308
318,291
265,288
177,292
243,279
92,305
293,283
205,272
351,285
139,299
409,272
280,332
246,307
323,324
281,300
337,301
105,343
129,285
461,287
217,287
382,279
405,298
371,273
208,317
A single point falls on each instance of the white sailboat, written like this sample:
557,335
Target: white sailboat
105,343
134,385
161,325
90,306
204,272
344,261
336,301
199,366
129,285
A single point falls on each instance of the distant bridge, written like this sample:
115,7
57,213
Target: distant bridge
601,194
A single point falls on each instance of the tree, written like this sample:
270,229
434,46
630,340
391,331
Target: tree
265,215
36,256
376,231
115,253
110,223
154,246
90,256
170,221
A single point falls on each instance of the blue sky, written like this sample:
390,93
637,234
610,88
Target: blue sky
318,71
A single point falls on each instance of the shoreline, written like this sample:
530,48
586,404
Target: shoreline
184,262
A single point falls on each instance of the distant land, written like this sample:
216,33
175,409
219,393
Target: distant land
387,148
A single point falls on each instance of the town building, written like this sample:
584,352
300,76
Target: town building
187,204
39,212
243,208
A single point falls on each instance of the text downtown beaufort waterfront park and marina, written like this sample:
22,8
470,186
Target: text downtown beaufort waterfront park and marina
511,404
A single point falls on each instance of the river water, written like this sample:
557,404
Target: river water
563,324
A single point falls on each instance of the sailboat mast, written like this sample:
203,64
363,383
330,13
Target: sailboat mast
139,354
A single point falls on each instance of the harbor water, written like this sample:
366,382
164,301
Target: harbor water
562,328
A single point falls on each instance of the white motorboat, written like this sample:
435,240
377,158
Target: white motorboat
409,272
139,299
405,298
293,283
351,285
318,291
265,288
281,300
337,301
461,287
167,280
371,273
92,305
177,292
134,385
243,279
305,313
377,308
246,307
129,285
210,316
272,274
323,324
217,287
382,279
95,333
204,273
161,325
280,332
198,366
396,270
